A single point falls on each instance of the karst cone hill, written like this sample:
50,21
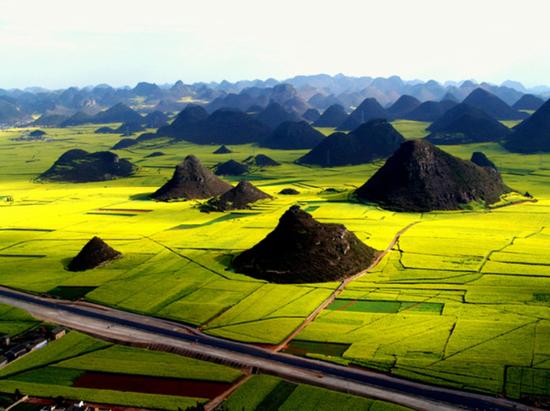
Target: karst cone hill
292,135
261,160
231,168
368,110
404,104
492,105
119,113
528,102
79,166
275,114
420,177
465,124
332,117
191,180
429,110
222,150
238,198
185,123
533,134
482,160
303,250
95,253
223,126
373,140
311,115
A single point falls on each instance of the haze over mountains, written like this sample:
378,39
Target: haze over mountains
295,96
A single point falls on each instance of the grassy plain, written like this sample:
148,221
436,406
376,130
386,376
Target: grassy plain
470,289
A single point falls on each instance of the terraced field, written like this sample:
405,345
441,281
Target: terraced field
462,299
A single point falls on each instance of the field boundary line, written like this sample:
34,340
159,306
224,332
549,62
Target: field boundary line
217,401
341,288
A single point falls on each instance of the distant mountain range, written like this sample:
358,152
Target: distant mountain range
295,95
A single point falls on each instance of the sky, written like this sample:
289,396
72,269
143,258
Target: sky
61,43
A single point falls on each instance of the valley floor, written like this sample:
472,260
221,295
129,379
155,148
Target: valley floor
461,300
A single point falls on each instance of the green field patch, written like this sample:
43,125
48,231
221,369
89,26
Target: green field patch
368,306
70,292
13,328
208,301
137,361
277,396
432,308
365,306
308,398
269,331
544,297
524,381
301,347
494,267
54,375
249,395
9,313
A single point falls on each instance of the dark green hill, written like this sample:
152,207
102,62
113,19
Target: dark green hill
429,110
231,168
333,116
79,166
238,198
528,102
303,250
155,119
95,253
261,160
311,115
275,114
403,105
420,177
465,124
223,126
292,135
533,134
368,110
371,141
482,160
492,105
119,113
191,180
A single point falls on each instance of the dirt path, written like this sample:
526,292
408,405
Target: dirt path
341,288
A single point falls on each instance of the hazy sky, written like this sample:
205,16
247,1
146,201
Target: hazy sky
59,43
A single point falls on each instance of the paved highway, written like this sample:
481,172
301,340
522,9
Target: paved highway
126,327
